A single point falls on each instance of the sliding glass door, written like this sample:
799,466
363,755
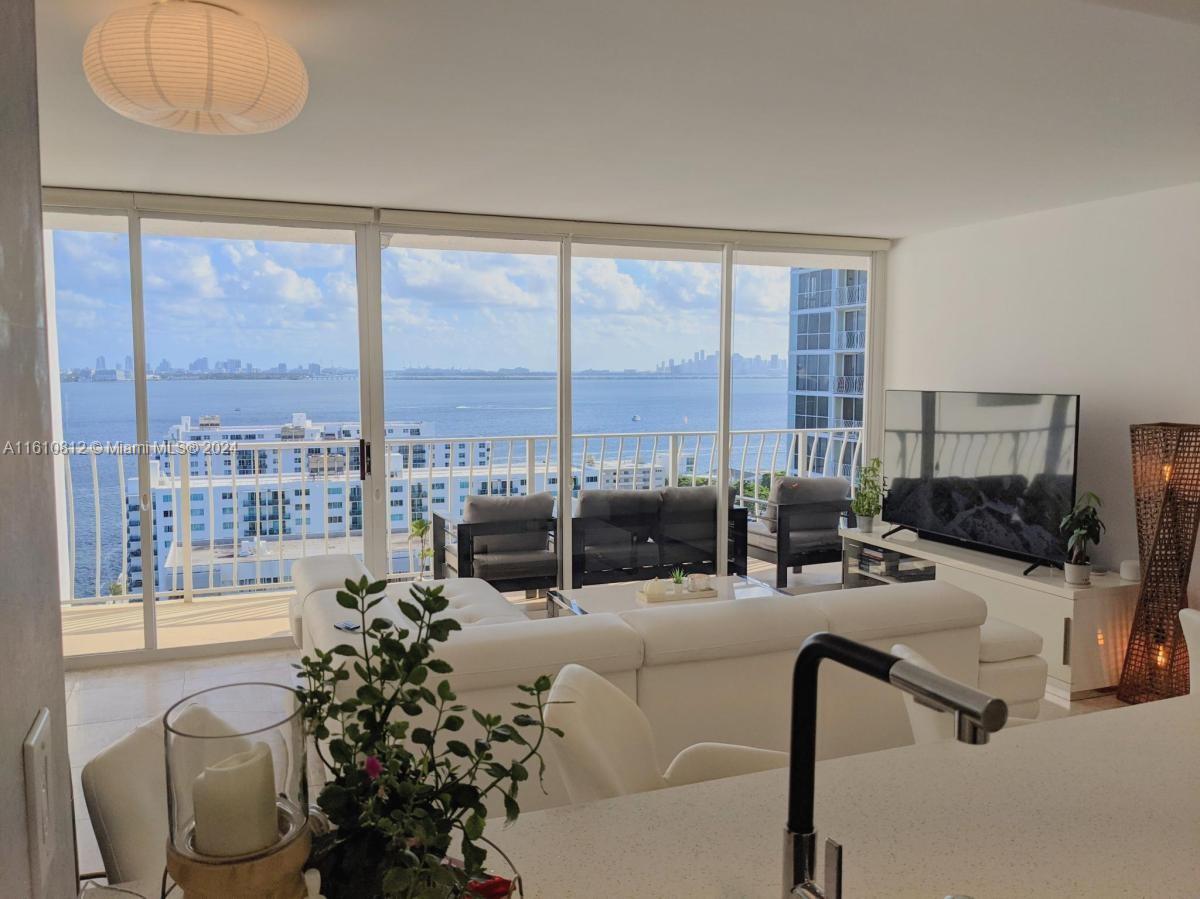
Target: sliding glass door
645,335
469,388
253,395
89,298
799,367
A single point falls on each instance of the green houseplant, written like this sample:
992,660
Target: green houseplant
404,779
420,529
1083,528
868,495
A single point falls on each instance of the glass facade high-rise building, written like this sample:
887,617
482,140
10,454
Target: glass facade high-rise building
827,347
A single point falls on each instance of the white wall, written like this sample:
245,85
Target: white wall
1101,299
31,668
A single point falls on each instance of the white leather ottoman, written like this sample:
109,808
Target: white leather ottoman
1011,666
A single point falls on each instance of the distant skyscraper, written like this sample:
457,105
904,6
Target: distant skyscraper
100,362
827,348
163,367
128,363
200,365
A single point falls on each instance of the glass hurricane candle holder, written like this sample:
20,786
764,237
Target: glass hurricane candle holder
237,787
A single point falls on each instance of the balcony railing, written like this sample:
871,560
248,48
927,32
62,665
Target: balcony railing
211,552
851,340
851,385
853,295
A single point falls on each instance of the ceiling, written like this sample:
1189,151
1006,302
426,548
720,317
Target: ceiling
866,117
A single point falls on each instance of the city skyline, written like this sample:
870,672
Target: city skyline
700,363
248,300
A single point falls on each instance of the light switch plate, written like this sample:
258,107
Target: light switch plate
38,820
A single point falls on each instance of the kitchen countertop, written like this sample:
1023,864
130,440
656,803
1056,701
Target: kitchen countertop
1099,805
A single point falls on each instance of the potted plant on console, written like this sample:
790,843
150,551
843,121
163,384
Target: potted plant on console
407,767
868,497
1082,528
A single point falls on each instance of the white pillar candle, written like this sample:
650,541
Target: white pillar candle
234,804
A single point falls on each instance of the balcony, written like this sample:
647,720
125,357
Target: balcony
853,295
225,585
852,340
849,385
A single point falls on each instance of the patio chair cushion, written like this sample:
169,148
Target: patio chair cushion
689,524
516,563
606,505
535,507
793,491
760,536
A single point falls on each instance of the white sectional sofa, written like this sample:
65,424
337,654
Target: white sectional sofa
707,672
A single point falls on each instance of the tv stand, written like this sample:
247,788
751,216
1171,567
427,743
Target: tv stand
1084,630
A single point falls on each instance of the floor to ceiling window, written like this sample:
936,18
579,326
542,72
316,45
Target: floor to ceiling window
88,293
252,355
470,346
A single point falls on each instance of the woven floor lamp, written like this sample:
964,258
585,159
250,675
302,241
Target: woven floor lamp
1166,488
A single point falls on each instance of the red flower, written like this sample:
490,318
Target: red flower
373,767
495,887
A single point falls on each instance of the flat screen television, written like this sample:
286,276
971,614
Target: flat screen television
994,471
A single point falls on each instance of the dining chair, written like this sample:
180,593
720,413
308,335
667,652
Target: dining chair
125,788
608,746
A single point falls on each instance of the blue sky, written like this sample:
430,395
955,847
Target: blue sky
268,302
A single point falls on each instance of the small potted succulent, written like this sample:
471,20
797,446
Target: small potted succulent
677,580
1082,527
868,496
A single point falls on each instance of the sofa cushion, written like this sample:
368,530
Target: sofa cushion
717,630
793,491
602,507
1015,680
517,652
886,612
1001,640
472,600
316,573
535,507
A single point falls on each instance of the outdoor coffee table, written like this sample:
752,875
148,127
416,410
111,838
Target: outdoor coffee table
623,597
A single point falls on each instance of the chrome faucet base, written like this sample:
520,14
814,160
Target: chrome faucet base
800,867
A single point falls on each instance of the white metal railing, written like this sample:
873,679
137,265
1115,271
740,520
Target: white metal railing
232,522
851,384
852,340
852,295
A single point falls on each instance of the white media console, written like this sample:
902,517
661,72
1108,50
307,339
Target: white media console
1084,629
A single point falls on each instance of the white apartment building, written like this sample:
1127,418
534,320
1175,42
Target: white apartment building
243,514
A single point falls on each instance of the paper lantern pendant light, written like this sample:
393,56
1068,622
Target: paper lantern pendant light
192,66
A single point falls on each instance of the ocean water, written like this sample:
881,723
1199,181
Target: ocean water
455,407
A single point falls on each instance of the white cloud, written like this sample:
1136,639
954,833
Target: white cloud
453,278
